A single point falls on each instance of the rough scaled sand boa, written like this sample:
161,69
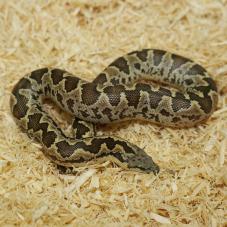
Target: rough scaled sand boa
114,95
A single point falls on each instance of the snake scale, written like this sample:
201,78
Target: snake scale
118,93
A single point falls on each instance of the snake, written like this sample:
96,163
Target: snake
152,85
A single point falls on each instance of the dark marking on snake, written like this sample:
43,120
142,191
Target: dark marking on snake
57,76
122,64
71,83
37,75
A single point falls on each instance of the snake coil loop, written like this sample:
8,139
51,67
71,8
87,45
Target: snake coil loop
115,95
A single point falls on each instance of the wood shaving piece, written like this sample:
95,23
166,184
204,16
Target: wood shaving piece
223,151
80,180
94,182
39,212
174,186
3,164
211,142
20,216
121,188
160,219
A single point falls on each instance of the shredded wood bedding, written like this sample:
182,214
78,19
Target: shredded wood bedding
83,37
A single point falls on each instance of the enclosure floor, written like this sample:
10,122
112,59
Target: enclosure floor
83,37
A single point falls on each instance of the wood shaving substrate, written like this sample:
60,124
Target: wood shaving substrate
83,37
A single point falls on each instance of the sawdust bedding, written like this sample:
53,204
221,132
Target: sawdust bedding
83,37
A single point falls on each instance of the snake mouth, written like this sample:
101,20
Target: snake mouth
155,170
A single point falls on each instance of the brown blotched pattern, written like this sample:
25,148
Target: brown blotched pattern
114,95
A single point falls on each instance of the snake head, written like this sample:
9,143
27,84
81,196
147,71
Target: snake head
140,161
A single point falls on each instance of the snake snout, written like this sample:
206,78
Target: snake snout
143,162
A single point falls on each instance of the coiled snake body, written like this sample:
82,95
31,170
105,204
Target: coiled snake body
115,95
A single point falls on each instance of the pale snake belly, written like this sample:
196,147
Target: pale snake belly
116,94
